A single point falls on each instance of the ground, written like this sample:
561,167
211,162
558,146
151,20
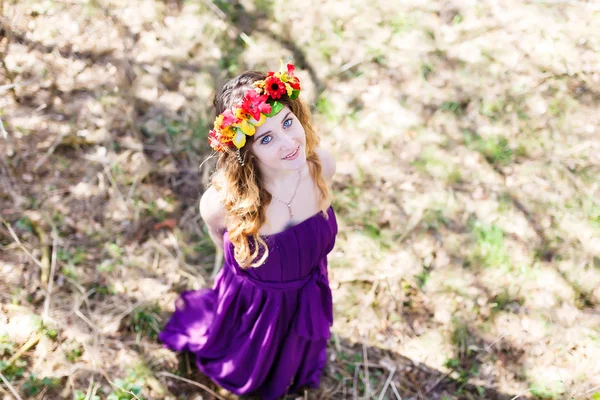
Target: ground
467,190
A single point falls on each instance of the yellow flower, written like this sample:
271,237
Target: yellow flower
246,127
289,89
261,121
239,140
218,122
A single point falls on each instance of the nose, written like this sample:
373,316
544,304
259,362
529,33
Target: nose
287,142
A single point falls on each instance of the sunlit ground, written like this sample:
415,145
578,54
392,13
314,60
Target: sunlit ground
466,135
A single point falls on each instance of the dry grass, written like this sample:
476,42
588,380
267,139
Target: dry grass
466,133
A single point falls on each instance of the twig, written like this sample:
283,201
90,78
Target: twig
123,390
10,387
438,382
387,383
52,272
396,391
487,349
4,88
366,365
88,395
45,273
355,384
9,74
170,375
86,320
16,239
4,133
591,390
414,220
48,153
113,183
416,384
522,393
336,342
362,364
30,343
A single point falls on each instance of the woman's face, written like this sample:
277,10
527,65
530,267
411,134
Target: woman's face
280,143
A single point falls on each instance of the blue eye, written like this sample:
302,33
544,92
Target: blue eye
264,139
286,125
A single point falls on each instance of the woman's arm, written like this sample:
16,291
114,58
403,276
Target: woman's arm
213,214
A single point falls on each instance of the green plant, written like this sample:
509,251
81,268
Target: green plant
495,150
74,353
13,371
490,250
72,257
79,395
6,346
126,389
145,321
426,69
33,385
454,107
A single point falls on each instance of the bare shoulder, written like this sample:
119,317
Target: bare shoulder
327,163
212,210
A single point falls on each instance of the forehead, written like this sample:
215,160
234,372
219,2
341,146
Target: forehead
274,121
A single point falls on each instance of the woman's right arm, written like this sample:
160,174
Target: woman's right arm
213,213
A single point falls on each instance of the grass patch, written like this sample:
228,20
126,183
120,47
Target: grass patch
432,162
495,149
145,321
34,385
490,251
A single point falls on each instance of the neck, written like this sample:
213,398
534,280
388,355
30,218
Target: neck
276,180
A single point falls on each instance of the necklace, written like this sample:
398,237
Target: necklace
289,204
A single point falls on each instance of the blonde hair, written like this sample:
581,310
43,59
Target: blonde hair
244,197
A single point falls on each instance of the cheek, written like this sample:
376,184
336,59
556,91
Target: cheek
266,153
299,132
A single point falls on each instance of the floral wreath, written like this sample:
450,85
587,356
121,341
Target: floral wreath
232,126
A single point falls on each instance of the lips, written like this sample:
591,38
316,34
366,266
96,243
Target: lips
292,155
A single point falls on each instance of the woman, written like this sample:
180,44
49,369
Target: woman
263,328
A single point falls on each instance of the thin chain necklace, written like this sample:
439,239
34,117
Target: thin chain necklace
289,204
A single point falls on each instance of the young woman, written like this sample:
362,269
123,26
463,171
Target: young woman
263,328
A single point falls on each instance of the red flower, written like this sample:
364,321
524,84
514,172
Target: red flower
228,118
290,69
274,87
294,83
214,141
217,141
254,104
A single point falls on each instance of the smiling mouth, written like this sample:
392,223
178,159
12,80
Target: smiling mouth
292,154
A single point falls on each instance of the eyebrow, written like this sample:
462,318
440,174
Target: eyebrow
264,133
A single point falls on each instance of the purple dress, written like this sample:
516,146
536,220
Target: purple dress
263,331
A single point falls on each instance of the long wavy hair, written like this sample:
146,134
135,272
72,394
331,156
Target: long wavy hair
241,188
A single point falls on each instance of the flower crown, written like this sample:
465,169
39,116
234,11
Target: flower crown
232,126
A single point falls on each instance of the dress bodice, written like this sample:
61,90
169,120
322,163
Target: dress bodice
294,252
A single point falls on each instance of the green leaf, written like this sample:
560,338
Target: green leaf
295,94
275,108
